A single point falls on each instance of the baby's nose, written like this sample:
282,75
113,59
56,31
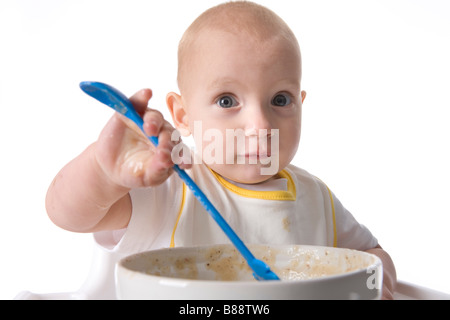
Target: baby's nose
257,124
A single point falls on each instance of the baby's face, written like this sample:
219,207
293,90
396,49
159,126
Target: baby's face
243,104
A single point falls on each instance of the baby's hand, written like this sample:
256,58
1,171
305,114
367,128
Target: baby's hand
126,155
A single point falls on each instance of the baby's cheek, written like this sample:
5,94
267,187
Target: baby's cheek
288,148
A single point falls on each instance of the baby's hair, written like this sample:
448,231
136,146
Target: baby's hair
247,18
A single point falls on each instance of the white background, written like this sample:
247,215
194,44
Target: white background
375,124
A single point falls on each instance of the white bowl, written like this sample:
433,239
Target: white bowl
220,272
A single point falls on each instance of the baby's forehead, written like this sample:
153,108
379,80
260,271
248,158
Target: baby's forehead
256,34
241,21
253,22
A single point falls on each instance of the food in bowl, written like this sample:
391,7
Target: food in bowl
220,272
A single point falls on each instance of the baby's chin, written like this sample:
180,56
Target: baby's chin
243,173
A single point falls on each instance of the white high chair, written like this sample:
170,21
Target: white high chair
100,283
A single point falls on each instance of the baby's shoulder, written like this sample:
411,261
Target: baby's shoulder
301,173
305,178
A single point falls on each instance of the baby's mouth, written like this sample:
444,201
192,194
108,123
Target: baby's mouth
255,155
255,150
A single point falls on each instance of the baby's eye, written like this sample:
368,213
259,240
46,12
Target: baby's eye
281,100
226,102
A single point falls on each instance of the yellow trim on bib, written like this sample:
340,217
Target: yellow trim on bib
334,217
172,239
289,195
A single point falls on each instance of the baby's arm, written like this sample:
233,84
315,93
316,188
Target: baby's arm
389,273
351,234
91,192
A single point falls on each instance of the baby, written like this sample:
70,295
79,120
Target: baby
239,75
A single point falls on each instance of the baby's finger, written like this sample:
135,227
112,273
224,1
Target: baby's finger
156,173
153,122
140,100
164,150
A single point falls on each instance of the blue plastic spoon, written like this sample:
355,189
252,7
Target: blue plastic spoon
119,102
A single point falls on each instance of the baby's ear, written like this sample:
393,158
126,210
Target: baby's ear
303,94
177,110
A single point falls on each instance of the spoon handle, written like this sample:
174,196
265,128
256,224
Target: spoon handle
214,213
